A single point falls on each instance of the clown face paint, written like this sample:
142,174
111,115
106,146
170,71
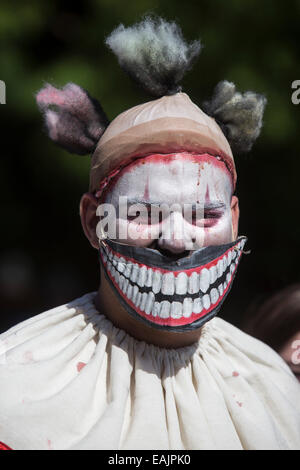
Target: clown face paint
200,181
174,295
156,276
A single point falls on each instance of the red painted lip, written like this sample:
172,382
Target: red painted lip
214,262
173,322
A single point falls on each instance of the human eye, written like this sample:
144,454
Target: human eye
147,215
131,217
205,217
211,217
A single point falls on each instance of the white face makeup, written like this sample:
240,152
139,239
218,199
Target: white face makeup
175,271
199,188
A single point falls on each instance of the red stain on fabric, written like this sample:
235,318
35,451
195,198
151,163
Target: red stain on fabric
235,373
4,446
239,403
80,365
28,356
49,444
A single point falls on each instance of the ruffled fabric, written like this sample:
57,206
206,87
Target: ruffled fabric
69,379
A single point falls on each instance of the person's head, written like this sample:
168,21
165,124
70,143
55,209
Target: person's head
276,322
169,186
162,180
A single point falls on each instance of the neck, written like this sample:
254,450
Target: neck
108,304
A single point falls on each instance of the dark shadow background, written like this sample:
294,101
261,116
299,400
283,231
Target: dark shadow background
45,259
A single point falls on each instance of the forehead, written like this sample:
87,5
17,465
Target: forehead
174,177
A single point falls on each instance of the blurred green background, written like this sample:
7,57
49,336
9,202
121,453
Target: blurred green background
45,259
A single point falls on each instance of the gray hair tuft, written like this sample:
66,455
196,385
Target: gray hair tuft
154,54
239,115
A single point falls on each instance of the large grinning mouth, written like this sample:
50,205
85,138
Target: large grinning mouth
177,295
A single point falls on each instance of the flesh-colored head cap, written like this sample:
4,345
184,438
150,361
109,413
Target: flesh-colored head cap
165,125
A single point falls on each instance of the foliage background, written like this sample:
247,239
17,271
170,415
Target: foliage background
45,259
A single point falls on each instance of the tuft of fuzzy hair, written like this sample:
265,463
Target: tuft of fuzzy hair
75,121
154,54
239,115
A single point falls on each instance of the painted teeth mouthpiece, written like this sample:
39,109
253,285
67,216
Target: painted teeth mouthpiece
178,295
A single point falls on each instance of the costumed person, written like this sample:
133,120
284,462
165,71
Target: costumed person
144,363
276,322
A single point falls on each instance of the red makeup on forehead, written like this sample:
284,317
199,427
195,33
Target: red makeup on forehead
158,158
109,182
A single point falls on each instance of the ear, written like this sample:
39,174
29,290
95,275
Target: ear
235,214
89,219
74,120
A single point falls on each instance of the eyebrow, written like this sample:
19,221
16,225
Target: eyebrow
207,205
131,202
214,205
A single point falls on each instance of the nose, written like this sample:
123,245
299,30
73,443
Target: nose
176,236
